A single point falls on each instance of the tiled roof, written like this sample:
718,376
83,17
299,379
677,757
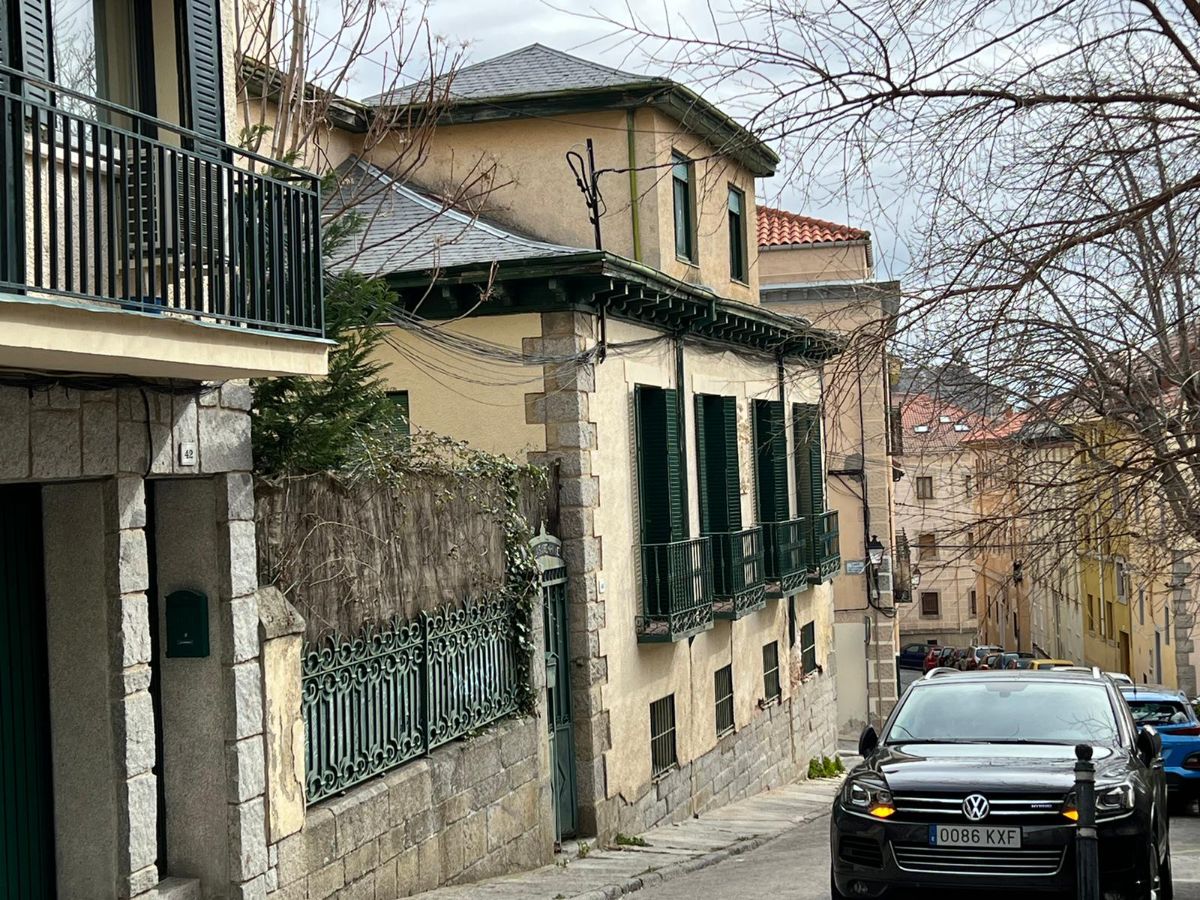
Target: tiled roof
406,230
933,424
535,69
778,227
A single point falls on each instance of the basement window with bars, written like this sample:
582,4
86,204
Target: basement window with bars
662,737
808,648
723,690
771,685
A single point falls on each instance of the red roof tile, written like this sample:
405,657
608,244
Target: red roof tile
778,227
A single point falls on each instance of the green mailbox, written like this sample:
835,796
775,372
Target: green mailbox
187,624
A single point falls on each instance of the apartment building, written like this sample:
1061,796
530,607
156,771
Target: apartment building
148,269
937,508
823,273
625,344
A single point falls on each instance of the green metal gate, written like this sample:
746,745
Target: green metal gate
548,551
26,812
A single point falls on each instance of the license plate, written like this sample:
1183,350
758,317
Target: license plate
974,836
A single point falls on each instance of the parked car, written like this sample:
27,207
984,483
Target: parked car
1012,659
992,661
1175,720
912,656
1040,664
977,654
933,658
970,785
1119,677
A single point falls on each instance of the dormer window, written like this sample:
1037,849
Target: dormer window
945,420
683,177
961,427
920,429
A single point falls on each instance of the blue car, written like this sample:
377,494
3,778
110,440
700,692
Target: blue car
1175,720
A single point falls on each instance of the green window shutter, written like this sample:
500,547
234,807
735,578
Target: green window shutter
34,29
702,465
400,401
770,448
660,465
733,477
810,474
202,61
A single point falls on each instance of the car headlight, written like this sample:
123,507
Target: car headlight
1114,798
869,795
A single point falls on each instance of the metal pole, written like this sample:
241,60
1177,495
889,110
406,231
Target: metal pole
1087,848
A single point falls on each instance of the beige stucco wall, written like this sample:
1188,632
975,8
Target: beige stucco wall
843,261
641,673
466,396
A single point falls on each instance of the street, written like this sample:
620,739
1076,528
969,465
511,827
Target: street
796,865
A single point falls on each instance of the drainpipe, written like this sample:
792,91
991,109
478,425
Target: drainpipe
634,197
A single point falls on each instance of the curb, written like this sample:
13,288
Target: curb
695,864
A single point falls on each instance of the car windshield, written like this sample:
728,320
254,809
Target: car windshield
1159,712
1005,711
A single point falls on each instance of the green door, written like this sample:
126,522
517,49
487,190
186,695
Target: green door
26,814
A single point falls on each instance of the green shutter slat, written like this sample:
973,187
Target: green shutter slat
206,103
770,443
34,16
702,465
675,466
810,475
779,460
733,476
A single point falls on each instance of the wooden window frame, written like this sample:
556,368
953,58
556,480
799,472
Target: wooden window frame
924,487
808,648
772,683
739,253
927,550
688,182
937,602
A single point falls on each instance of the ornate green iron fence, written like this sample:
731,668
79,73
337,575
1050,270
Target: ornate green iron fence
396,692
738,581
826,547
787,554
677,590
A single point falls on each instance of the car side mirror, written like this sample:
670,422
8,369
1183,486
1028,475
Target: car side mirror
867,742
1149,744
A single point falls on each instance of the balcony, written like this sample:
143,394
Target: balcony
739,582
104,208
826,559
787,555
677,590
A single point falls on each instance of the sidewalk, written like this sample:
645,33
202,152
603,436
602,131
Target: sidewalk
671,851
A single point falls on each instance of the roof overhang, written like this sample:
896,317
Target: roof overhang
692,111
600,283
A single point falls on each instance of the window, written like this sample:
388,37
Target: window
927,546
771,671
662,736
1167,620
924,487
968,485
973,605
718,478
682,176
971,543
931,603
770,457
1110,623
659,465
738,269
400,401
723,690
1091,613
1141,606
810,459
808,648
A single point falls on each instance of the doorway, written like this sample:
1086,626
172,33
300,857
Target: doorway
27,828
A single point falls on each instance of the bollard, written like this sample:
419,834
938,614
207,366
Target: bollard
1087,845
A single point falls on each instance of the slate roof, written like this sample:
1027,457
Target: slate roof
779,228
536,69
406,230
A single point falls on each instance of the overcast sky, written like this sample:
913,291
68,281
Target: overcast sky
489,29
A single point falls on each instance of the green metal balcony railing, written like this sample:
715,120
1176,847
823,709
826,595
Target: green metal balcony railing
739,579
105,205
677,590
826,557
787,554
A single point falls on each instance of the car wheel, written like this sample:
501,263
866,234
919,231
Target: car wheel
1151,876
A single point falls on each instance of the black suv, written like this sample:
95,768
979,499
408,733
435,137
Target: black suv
971,785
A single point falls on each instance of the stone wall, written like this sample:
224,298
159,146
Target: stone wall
773,750
473,809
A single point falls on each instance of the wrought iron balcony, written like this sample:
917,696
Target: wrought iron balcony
677,590
787,554
739,582
104,205
826,557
